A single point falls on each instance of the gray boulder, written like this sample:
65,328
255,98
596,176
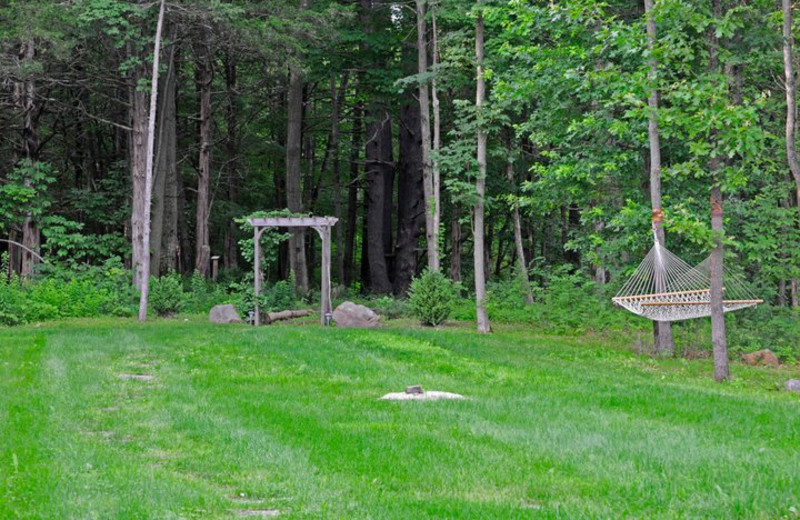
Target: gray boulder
224,314
793,385
352,315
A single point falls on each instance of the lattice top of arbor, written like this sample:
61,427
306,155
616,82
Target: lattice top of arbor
321,225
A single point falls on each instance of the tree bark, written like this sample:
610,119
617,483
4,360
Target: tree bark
522,265
26,101
162,228
205,79
410,199
148,180
431,204
483,324
662,330
138,162
352,195
791,110
231,251
294,194
718,337
337,99
455,253
379,169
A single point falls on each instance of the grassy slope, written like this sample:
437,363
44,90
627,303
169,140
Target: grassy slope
238,418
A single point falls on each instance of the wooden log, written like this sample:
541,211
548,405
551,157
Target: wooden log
287,315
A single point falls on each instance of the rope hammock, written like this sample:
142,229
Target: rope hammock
665,288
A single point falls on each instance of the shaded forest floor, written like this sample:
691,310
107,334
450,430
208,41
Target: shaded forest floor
109,419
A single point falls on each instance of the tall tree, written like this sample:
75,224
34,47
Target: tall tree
718,337
294,191
662,330
204,77
144,269
480,183
431,203
791,112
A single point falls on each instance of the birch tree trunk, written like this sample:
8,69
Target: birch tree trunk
662,330
480,188
431,204
144,269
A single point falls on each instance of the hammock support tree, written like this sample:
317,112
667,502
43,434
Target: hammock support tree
665,288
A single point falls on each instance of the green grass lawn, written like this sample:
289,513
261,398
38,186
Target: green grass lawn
243,422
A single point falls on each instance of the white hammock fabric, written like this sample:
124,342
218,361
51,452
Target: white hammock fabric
665,288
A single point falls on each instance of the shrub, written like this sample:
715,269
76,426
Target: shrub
166,294
431,298
390,308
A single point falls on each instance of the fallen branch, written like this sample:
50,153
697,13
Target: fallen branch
287,315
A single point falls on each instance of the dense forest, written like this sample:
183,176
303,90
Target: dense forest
521,136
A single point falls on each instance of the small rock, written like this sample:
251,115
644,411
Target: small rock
224,314
352,315
761,358
793,385
136,377
414,389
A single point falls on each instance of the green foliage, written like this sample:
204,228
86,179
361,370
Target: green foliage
23,192
431,298
389,307
166,294
68,293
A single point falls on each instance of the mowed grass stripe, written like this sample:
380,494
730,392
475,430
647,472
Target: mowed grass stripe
238,418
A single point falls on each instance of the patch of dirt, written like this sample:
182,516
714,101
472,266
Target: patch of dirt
136,377
258,513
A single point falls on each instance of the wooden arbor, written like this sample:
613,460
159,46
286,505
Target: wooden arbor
322,225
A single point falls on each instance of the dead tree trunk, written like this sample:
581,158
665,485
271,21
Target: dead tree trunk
480,188
352,195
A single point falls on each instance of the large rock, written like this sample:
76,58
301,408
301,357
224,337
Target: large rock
352,315
224,314
761,357
793,385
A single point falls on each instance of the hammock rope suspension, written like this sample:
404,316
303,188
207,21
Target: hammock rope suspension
665,288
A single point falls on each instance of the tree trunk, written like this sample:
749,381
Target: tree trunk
483,324
205,79
352,195
522,265
437,134
431,204
718,338
231,251
662,331
791,110
294,194
455,254
337,99
138,163
165,167
379,168
148,180
410,199
26,102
